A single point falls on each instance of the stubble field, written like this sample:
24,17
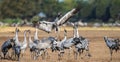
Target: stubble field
97,46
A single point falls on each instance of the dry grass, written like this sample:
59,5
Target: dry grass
98,48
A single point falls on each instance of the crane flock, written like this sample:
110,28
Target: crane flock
39,47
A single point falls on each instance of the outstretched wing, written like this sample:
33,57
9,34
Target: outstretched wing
49,26
68,15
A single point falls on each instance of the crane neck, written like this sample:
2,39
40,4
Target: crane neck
16,35
65,35
76,33
25,40
30,40
36,34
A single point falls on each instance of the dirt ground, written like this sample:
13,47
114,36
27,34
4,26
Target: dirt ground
97,46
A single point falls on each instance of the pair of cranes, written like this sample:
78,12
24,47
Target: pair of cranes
14,44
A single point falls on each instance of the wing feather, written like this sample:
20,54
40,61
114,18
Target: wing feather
67,16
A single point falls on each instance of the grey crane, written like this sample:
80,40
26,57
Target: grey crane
17,46
32,45
6,46
57,45
24,44
16,42
43,45
83,45
49,26
112,44
17,51
36,39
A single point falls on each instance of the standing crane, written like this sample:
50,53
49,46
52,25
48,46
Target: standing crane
113,44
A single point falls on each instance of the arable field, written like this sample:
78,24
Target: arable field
97,46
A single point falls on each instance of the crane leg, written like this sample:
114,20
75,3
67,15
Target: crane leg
111,52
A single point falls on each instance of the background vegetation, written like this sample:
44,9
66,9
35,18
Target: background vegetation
92,10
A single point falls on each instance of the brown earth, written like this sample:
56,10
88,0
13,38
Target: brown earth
98,48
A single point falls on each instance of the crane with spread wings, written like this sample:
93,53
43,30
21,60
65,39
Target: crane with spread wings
49,26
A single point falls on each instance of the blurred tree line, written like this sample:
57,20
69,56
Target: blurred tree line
92,10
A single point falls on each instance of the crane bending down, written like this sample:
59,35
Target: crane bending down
49,26
42,47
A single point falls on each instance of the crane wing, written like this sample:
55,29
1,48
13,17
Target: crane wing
46,26
49,26
68,15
